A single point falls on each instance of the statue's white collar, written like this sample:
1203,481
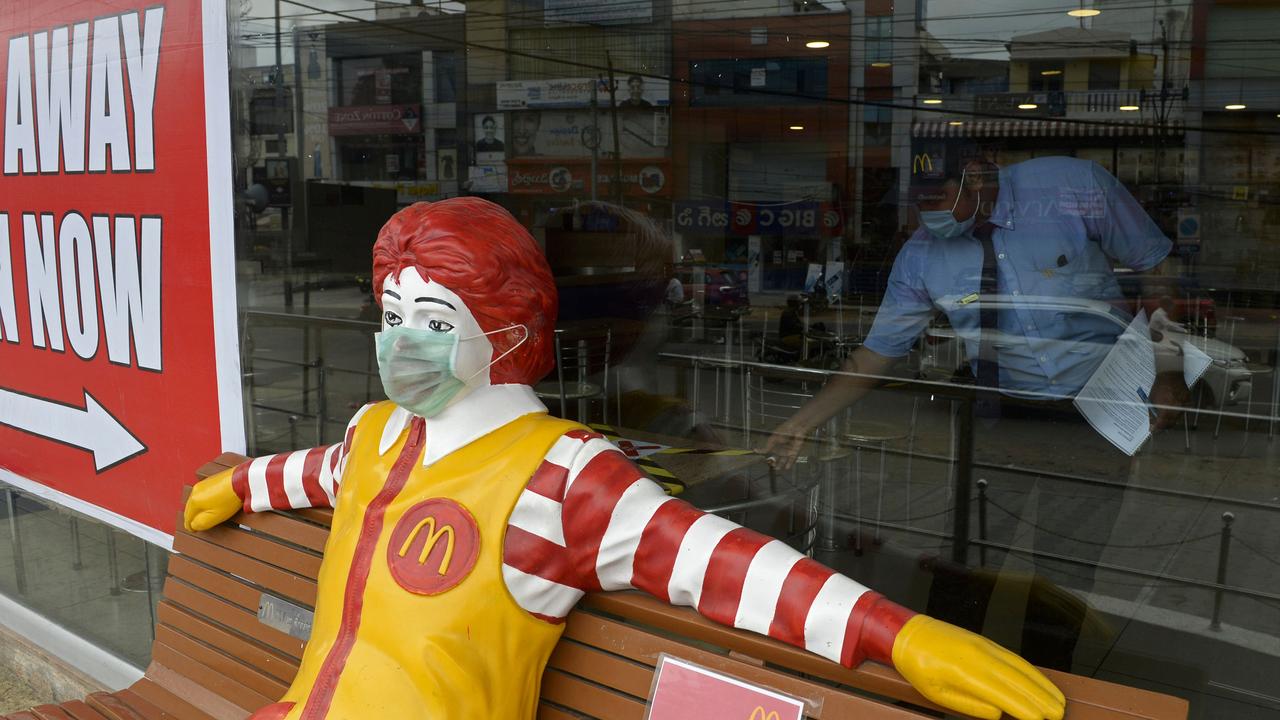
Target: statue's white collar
482,411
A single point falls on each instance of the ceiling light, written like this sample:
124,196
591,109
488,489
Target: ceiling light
881,64
932,101
1129,108
1234,106
1084,12
956,123
817,44
797,127
1047,73
1028,106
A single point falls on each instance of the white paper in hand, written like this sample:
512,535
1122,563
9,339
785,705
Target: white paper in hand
1115,401
1194,362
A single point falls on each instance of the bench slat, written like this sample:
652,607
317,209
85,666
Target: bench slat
592,664
234,644
141,704
234,668
153,690
52,712
550,712
592,700
230,588
282,583
75,709
287,527
232,616
265,549
211,679
116,709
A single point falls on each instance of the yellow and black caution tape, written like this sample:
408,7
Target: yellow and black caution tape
664,477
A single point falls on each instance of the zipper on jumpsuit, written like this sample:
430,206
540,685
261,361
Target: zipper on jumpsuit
321,696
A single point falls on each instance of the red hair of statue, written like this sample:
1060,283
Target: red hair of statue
479,251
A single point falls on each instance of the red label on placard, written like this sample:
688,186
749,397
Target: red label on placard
682,690
118,361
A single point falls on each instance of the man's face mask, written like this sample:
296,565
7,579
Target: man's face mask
943,223
419,367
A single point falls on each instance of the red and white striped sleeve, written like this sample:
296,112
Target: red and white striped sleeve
599,524
295,480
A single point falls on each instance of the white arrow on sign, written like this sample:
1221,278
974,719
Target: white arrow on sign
89,428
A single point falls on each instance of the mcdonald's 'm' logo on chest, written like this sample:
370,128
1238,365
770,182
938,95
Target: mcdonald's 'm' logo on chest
433,547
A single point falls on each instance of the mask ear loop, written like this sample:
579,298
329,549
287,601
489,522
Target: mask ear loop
960,192
495,361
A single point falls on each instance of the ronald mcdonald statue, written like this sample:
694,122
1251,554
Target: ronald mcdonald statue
468,522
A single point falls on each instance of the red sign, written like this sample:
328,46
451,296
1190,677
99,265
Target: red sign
433,547
640,178
375,120
682,690
117,299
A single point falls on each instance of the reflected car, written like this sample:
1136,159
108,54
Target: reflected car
1228,379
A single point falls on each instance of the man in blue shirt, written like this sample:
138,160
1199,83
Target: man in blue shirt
1020,260
1047,233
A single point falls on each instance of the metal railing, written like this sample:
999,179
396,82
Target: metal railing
971,501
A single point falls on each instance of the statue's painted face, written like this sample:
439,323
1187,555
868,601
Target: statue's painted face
422,304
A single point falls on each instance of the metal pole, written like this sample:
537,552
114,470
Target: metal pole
617,139
982,521
964,480
322,406
595,125
283,152
77,560
113,562
1224,548
15,538
1275,390
1226,384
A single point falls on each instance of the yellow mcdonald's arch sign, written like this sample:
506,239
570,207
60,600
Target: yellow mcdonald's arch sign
760,714
922,162
433,537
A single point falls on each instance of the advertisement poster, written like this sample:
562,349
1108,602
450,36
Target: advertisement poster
118,335
490,134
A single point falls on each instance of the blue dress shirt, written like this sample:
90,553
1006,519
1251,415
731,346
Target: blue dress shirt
1061,225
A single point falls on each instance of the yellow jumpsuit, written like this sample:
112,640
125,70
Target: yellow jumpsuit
413,620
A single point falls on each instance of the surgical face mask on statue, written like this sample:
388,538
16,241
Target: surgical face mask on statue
419,368
943,223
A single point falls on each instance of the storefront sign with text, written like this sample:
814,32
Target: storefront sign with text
117,300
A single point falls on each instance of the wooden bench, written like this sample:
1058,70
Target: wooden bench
213,659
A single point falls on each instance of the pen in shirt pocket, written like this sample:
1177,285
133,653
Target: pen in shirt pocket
1062,262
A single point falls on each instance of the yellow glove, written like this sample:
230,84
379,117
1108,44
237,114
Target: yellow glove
213,500
970,674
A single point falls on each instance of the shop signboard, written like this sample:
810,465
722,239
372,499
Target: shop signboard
634,91
640,178
743,219
117,301
375,120
594,12
576,134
